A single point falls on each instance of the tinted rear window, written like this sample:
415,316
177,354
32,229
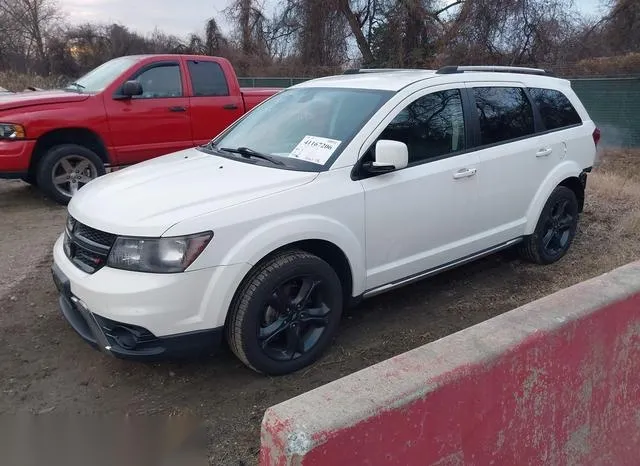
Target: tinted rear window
505,113
555,108
207,79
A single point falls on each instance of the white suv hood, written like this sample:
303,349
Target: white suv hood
148,198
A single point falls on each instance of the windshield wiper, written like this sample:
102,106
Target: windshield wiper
248,153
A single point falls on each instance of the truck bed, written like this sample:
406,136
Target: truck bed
252,96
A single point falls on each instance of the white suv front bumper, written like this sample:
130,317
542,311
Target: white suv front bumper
164,313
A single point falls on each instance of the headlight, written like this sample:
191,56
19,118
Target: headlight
10,131
157,255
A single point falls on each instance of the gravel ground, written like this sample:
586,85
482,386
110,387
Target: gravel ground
46,368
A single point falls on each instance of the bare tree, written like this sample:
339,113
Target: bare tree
32,20
511,31
357,20
623,26
250,26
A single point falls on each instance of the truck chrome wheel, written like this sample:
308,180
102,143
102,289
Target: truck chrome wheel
72,172
66,168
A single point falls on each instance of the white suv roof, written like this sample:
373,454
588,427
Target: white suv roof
395,80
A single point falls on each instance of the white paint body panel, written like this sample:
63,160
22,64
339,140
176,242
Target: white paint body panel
389,227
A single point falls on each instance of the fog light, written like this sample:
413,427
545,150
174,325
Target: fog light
124,338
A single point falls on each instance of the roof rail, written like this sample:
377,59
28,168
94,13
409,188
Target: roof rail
373,70
494,69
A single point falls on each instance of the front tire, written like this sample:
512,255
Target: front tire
65,169
555,230
286,313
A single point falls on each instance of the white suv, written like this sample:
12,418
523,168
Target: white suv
333,190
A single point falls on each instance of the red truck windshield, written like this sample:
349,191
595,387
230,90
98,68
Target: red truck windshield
99,78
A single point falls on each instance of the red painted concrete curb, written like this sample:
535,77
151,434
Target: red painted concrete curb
555,382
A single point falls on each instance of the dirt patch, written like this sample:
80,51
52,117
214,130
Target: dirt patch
46,367
29,226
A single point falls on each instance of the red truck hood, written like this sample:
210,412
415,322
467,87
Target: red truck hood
26,99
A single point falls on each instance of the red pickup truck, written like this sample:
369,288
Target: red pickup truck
125,111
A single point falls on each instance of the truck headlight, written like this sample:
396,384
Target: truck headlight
11,131
157,255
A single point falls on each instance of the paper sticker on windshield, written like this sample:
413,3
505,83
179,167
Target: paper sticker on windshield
315,149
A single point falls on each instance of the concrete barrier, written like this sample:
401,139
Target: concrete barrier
555,382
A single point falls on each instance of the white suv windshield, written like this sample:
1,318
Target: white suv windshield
305,128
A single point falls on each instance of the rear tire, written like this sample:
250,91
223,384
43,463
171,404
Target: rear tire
285,314
555,230
66,168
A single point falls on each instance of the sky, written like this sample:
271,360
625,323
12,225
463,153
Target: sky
177,17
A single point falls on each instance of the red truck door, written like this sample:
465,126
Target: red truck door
158,121
215,102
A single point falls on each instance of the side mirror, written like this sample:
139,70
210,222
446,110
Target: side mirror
390,156
131,89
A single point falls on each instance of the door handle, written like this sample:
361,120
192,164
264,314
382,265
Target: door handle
544,152
230,107
464,173
178,109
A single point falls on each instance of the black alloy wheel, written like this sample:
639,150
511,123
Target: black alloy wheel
294,319
555,230
285,313
558,228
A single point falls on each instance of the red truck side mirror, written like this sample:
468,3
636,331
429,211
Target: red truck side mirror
130,89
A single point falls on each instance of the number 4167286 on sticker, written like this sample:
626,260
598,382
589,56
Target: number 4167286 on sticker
315,149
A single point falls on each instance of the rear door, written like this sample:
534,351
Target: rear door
512,160
156,122
560,125
213,105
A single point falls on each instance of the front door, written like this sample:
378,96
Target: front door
424,215
155,123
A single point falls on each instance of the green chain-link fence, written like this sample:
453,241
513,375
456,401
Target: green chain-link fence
613,103
271,82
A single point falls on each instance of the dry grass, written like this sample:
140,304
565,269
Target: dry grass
611,220
603,66
18,82
621,197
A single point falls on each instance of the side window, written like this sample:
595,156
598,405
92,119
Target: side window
555,108
207,79
431,126
161,81
505,113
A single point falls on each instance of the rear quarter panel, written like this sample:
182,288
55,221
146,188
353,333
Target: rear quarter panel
578,151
